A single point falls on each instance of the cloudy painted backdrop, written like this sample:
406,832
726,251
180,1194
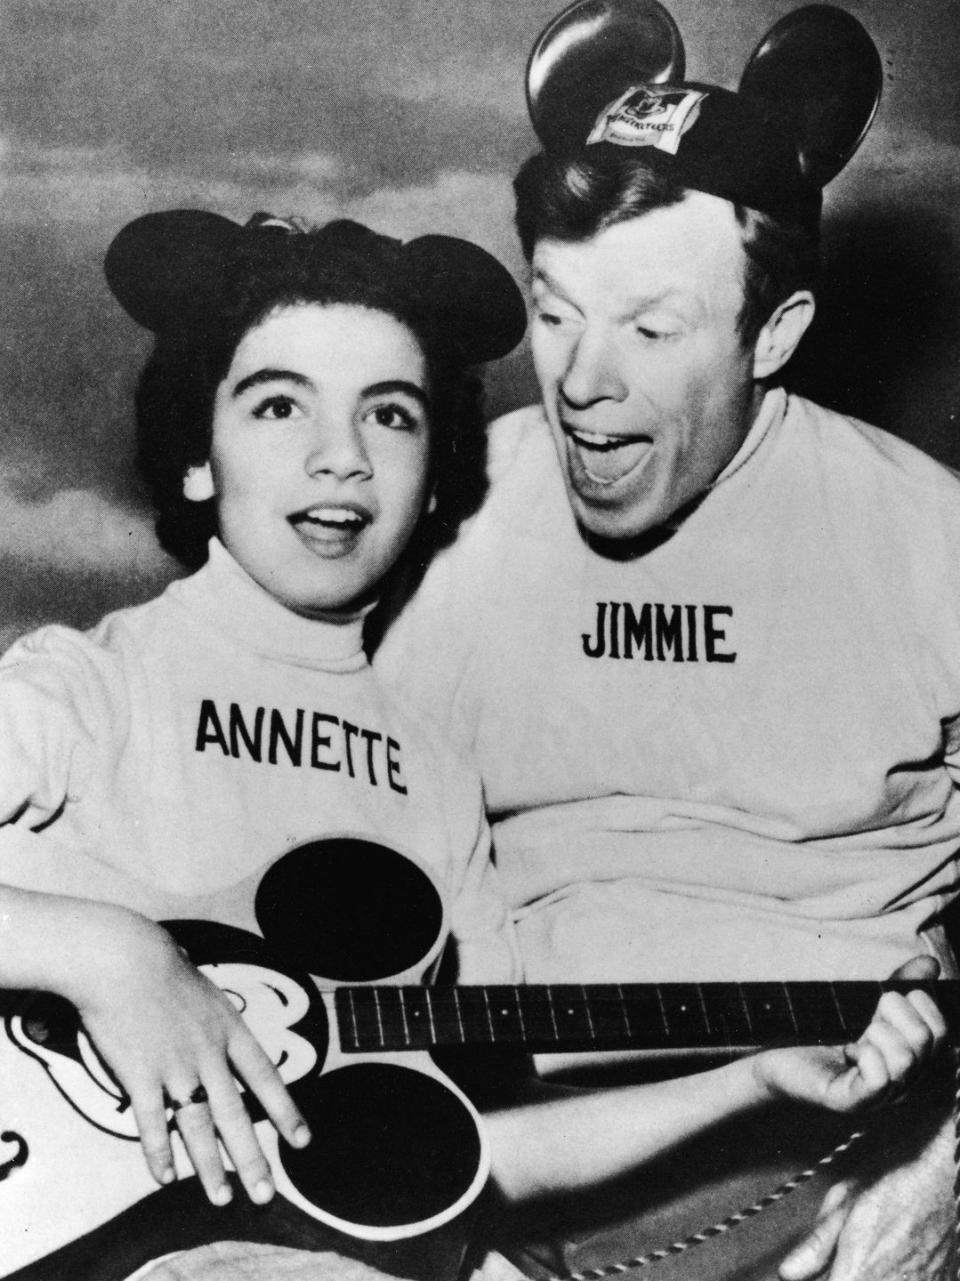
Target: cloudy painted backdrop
410,116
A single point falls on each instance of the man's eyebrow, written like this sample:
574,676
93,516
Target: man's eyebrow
270,376
635,306
402,385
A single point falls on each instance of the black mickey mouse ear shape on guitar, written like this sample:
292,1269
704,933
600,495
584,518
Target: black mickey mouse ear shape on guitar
820,73
588,55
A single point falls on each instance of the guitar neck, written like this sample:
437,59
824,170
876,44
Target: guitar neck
655,1016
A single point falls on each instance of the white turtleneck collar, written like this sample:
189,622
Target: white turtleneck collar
224,594
771,411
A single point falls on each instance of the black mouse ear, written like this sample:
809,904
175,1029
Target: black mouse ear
588,55
159,265
819,72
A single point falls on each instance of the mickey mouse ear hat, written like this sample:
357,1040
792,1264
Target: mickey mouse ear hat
610,73
168,269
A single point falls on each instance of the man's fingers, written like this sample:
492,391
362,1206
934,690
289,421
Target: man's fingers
926,1007
814,1254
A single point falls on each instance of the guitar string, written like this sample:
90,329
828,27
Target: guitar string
729,1223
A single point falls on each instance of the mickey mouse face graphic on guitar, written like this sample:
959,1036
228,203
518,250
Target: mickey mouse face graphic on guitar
401,1154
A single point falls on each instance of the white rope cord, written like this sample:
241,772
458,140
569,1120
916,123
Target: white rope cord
741,1216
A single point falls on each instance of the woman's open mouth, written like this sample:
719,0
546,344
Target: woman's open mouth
330,527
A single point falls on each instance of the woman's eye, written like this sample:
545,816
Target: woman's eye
276,408
395,416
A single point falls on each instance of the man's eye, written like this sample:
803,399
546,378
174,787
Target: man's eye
275,408
395,416
654,335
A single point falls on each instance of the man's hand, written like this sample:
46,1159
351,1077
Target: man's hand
899,1228
895,1222
245,1261
170,1035
905,1032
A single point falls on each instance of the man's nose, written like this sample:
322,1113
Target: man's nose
338,449
591,373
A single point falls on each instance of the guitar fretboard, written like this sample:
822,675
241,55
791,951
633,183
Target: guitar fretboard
660,1016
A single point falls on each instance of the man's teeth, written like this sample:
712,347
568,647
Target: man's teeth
597,440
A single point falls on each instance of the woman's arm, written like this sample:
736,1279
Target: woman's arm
162,1027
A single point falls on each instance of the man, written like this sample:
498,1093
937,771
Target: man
703,637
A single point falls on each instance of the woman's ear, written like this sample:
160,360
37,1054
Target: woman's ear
198,484
780,336
431,503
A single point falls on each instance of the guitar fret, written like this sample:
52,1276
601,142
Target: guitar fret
586,1010
519,1005
379,1012
836,1006
663,1011
793,1016
553,1014
486,1007
703,1009
433,1026
403,1016
456,1006
353,1017
623,1010
746,1009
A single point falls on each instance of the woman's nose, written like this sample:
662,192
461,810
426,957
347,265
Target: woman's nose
338,450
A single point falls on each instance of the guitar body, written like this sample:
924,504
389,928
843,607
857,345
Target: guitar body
399,1155
325,954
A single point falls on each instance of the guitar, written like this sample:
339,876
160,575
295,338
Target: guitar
399,1158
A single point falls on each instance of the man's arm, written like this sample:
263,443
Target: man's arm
570,1143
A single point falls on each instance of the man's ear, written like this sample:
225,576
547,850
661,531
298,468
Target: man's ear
198,484
780,336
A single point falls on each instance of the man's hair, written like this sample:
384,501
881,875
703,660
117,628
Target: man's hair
176,392
574,198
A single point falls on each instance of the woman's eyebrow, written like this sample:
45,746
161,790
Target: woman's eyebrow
270,376
393,385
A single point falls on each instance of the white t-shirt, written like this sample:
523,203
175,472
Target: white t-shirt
734,756
179,747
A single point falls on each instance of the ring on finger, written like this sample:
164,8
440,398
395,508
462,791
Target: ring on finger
199,1095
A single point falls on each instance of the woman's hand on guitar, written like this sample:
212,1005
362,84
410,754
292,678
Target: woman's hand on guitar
174,1040
903,1034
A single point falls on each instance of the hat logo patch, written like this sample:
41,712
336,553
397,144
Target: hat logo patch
647,116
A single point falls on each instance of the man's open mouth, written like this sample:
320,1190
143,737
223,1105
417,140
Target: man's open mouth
606,459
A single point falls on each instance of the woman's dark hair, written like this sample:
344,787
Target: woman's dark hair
175,395
574,198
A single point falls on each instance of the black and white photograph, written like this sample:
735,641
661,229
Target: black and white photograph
479,640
